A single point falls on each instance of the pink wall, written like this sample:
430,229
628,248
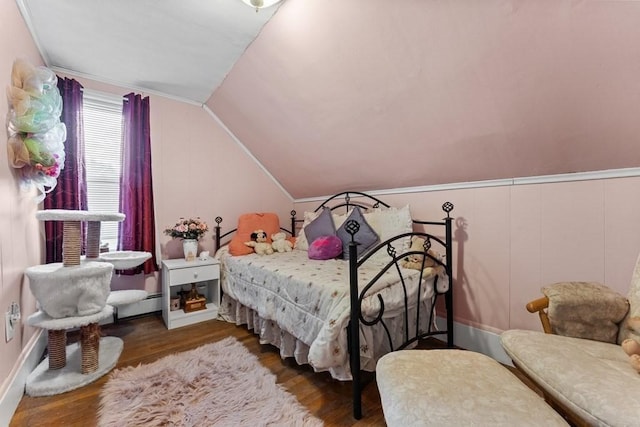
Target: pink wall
455,91
512,240
198,170
19,230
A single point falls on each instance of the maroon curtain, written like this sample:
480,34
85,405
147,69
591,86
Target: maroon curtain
71,191
137,231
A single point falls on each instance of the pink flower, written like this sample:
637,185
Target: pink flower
188,229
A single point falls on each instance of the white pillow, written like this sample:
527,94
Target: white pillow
389,222
301,238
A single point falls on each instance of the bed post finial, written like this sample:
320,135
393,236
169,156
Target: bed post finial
352,227
447,207
217,230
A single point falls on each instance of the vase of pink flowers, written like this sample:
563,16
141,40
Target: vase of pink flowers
190,231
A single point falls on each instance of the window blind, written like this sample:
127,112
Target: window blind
103,158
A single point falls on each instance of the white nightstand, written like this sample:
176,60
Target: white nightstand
177,275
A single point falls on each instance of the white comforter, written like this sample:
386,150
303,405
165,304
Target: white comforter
310,300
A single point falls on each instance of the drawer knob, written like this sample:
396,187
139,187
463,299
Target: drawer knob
195,275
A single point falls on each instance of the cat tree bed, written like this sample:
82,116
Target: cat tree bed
124,260
79,290
74,294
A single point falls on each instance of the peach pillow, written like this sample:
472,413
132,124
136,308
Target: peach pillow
247,224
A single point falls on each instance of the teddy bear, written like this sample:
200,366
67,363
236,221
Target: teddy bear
632,346
280,243
414,261
259,243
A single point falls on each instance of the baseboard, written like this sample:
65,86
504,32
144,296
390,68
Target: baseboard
29,359
476,339
150,304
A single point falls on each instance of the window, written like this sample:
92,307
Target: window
103,156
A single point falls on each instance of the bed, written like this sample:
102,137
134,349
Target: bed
340,315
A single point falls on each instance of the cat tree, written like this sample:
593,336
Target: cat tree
77,294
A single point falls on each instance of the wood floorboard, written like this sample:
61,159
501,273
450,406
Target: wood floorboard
146,340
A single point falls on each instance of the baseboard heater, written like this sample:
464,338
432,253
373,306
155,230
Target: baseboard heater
150,304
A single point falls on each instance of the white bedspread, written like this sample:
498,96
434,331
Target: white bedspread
309,299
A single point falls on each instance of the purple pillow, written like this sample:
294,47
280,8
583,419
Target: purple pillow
321,226
325,247
366,235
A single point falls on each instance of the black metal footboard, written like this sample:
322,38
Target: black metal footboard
357,296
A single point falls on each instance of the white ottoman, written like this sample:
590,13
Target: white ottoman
456,388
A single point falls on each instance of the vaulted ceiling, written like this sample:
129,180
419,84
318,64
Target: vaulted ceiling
182,49
376,94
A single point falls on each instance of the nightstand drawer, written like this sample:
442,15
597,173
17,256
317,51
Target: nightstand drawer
193,274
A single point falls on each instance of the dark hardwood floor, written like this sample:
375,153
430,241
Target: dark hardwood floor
146,339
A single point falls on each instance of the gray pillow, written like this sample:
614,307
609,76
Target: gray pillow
366,235
321,226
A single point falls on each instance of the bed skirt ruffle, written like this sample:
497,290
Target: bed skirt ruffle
289,346
270,333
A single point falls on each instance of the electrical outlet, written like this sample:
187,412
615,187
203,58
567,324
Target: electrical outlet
9,329
11,320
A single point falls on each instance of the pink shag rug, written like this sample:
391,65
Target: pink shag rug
216,384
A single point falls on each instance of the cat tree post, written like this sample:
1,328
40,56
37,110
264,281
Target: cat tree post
93,239
71,243
90,345
57,346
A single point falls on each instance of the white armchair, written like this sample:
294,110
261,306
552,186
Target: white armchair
577,362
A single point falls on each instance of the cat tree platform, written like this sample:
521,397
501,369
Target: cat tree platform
68,367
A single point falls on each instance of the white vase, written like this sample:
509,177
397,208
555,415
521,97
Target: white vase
190,248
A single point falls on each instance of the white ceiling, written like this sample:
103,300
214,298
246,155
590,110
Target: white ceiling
183,49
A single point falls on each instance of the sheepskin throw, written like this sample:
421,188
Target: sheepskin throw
216,384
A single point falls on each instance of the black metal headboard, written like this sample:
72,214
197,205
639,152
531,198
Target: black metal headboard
218,237
334,202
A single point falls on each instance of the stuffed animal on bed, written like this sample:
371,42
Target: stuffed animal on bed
259,243
414,261
632,346
280,243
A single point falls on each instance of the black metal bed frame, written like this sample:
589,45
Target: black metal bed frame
345,200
